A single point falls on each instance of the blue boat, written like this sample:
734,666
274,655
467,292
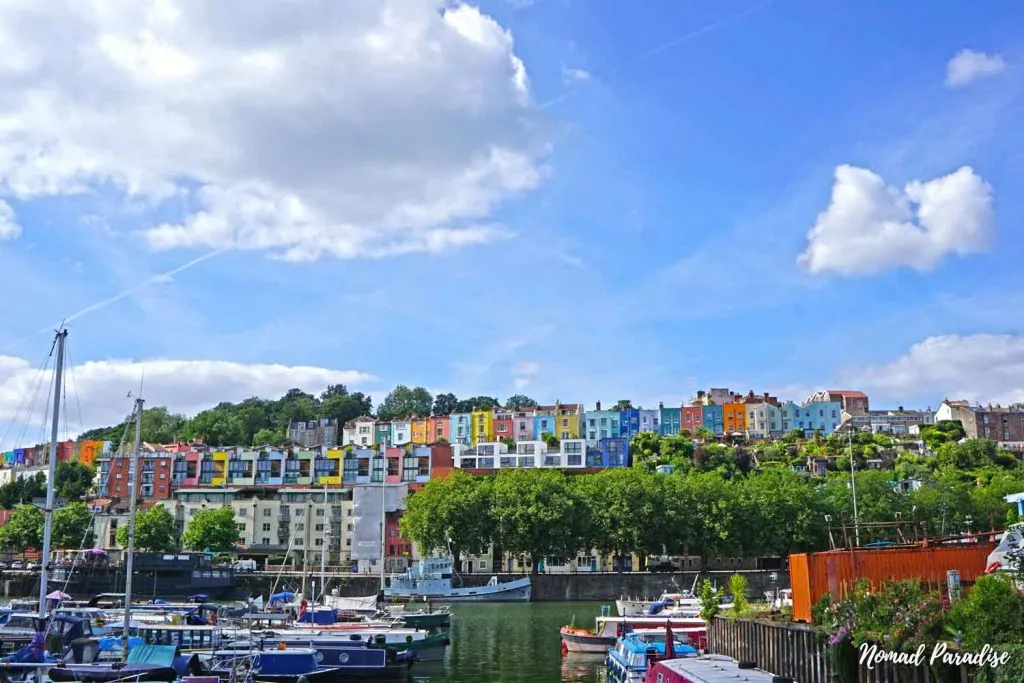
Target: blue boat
638,650
337,665
144,663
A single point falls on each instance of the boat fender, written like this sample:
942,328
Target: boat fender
746,665
408,639
302,679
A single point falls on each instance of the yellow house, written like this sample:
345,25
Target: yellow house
420,430
220,468
482,426
568,420
336,456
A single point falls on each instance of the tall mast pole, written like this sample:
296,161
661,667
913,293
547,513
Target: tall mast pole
133,473
58,377
324,549
383,519
853,487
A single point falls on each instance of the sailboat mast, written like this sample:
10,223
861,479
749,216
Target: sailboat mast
324,549
52,473
133,474
383,524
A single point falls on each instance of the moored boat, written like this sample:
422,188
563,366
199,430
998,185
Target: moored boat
637,651
431,579
357,662
709,669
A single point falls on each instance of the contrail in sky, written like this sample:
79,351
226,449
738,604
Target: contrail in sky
713,26
156,279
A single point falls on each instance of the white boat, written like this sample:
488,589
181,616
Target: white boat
681,602
431,579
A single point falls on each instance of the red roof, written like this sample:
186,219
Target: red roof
849,393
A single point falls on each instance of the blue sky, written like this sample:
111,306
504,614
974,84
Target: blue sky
637,235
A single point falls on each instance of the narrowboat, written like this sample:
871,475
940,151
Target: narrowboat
709,669
291,666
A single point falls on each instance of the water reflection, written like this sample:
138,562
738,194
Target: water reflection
513,643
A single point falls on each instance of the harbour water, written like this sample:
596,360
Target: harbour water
513,643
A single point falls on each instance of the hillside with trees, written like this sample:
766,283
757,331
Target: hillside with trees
257,421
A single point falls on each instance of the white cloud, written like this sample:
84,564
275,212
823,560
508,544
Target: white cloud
332,127
981,367
967,66
571,77
525,373
184,386
9,228
870,226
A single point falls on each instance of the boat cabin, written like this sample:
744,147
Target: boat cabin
709,669
635,652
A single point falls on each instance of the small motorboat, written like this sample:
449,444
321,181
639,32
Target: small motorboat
709,668
636,652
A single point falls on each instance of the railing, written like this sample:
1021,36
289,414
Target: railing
796,651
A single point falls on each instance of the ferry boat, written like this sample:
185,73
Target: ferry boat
431,579
709,669
635,652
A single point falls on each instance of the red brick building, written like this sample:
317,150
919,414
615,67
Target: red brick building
154,476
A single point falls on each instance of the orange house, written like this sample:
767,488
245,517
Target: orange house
734,416
439,428
419,430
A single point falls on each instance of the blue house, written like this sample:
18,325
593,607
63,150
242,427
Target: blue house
671,420
600,424
823,416
629,423
611,452
460,428
543,424
714,419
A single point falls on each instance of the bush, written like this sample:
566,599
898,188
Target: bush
738,588
992,612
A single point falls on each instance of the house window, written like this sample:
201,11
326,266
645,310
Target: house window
266,526
565,435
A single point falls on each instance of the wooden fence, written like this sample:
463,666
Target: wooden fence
796,651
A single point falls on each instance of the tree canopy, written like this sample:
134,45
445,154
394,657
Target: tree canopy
154,531
214,530
73,480
403,402
254,421
72,528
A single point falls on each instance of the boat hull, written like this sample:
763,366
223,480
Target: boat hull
88,673
511,591
580,640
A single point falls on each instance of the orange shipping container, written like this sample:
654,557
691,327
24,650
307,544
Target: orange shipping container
812,575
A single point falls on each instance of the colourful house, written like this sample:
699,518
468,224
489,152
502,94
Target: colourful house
394,458
270,468
460,429
419,428
439,429
242,467
600,424
328,468
611,452
629,423
650,421
401,432
568,417
522,425
382,433
219,472
691,418
504,425
671,420
735,418
543,424
713,419
482,426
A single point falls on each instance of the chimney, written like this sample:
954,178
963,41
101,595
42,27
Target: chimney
700,394
661,405
766,395
751,394
599,405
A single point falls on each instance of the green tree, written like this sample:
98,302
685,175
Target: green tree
445,404
943,431
343,406
536,514
72,526
645,448
214,530
160,426
477,403
269,437
519,401
550,440
451,514
22,490
403,402
73,480
24,529
154,531
624,404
